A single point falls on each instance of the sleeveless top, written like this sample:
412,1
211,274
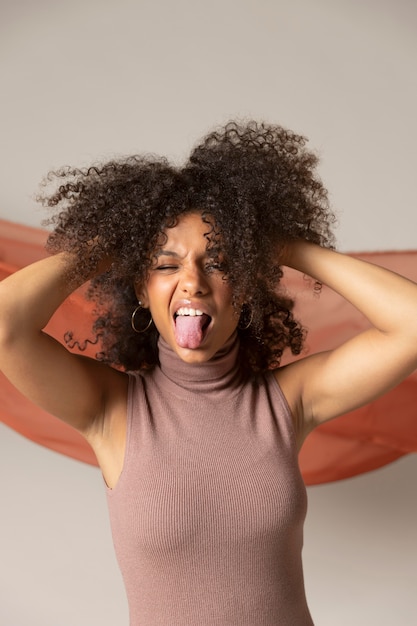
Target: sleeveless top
207,516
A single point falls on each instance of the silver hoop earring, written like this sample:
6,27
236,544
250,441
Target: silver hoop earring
132,320
243,314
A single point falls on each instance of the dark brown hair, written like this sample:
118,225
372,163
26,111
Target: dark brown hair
258,184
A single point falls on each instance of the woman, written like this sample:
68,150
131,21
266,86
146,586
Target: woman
195,425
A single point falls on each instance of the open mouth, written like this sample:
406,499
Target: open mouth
190,327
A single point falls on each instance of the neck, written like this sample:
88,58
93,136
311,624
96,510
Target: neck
220,372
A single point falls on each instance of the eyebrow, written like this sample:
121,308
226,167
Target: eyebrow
171,253
167,253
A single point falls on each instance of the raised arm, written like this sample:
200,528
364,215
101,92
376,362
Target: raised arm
329,384
69,386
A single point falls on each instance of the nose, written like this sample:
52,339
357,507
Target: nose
193,282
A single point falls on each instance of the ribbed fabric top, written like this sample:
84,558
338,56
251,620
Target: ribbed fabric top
207,516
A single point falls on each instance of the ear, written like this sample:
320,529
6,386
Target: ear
142,295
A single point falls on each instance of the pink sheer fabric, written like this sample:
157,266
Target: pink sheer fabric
360,441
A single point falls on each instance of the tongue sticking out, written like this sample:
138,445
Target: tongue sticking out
189,330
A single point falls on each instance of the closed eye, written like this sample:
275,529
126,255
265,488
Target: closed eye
162,268
215,266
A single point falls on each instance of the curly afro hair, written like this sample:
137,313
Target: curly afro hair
257,185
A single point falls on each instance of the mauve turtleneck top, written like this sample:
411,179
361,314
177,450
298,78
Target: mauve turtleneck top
207,516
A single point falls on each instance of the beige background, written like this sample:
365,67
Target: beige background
91,79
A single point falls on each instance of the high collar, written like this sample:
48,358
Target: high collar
219,373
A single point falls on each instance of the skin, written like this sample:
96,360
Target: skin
184,275
328,384
92,397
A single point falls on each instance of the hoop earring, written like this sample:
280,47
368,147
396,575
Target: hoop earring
132,320
246,326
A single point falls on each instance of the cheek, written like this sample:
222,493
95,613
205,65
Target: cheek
159,294
225,298
225,293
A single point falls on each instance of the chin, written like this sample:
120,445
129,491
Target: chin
193,356
198,355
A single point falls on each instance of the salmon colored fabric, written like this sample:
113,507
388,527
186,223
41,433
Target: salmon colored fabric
355,443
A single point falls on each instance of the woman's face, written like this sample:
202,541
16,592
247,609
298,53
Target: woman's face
190,301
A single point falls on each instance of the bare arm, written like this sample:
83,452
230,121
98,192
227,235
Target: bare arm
329,384
72,387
